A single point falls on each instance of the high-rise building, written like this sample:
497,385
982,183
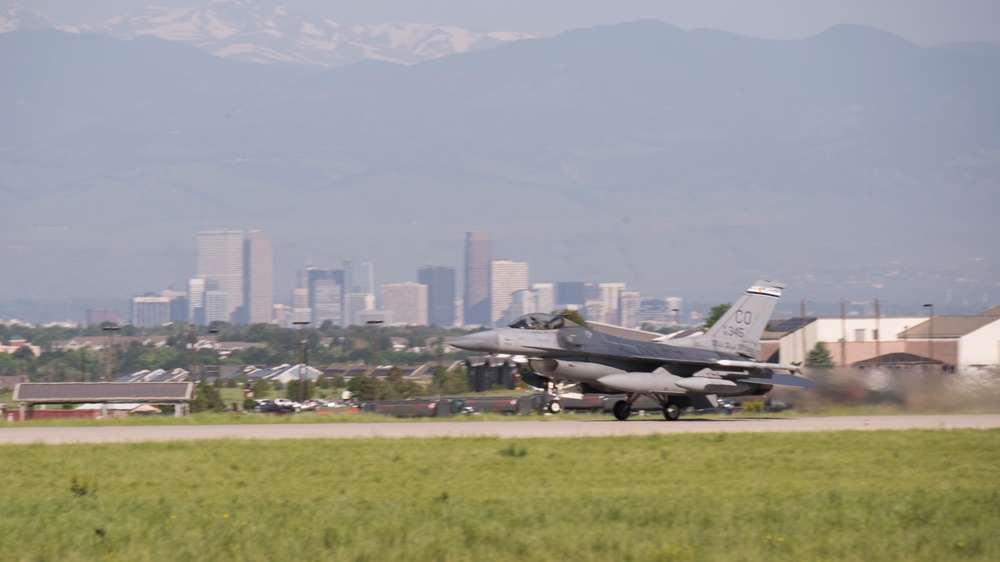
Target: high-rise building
609,294
407,302
196,299
544,297
478,253
628,308
258,278
354,305
216,306
150,311
220,257
327,300
440,281
359,276
320,284
300,305
506,277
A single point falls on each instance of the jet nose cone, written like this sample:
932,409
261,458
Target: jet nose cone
480,341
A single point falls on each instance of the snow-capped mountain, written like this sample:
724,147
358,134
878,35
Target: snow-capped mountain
270,32
19,17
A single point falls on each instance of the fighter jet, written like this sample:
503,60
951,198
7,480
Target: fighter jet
677,373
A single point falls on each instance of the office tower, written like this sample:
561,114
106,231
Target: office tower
258,279
320,284
326,296
506,277
478,253
196,300
300,305
359,276
628,308
609,295
407,302
440,281
150,311
544,294
216,306
354,305
178,304
220,257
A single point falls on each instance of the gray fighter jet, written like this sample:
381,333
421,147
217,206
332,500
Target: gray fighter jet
677,373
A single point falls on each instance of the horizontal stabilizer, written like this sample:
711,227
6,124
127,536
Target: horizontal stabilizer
757,366
783,380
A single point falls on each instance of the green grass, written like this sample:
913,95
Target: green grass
899,495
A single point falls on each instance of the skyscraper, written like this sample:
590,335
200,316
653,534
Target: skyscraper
220,257
150,311
258,279
359,276
506,278
440,281
326,294
478,253
407,302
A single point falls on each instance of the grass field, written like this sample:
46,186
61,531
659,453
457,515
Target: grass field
900,495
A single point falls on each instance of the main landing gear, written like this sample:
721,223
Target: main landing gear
671,411
623,408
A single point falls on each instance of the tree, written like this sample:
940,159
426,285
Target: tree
716,313
819,356
261,389
573,316
292,391
207,398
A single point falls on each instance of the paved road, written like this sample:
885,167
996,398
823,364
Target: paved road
561,427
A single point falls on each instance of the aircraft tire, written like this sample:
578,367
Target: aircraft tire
671,411
621,410
555,407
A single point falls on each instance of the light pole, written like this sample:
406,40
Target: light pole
930,330
218,376
111,350
193,356
302,366
374,324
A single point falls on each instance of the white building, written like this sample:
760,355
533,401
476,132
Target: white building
220,257
955,341
407,302
150,311
506,277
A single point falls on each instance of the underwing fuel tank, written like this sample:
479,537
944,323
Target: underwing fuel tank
705,385
581,371
658,381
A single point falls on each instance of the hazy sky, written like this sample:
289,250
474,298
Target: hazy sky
925,22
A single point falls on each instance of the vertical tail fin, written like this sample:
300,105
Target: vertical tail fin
740,328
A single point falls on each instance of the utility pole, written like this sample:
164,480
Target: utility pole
302,366
930,331
374,324
111,351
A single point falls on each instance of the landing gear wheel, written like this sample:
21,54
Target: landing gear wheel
621,410
671,411
555,407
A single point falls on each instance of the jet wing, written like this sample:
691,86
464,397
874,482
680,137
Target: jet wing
782,380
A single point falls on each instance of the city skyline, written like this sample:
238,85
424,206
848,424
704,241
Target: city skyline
351,296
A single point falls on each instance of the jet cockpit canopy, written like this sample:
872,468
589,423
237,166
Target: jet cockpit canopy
541,321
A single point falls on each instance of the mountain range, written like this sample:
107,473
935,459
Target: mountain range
680,162
269,32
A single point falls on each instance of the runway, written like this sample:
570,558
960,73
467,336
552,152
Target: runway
551,427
